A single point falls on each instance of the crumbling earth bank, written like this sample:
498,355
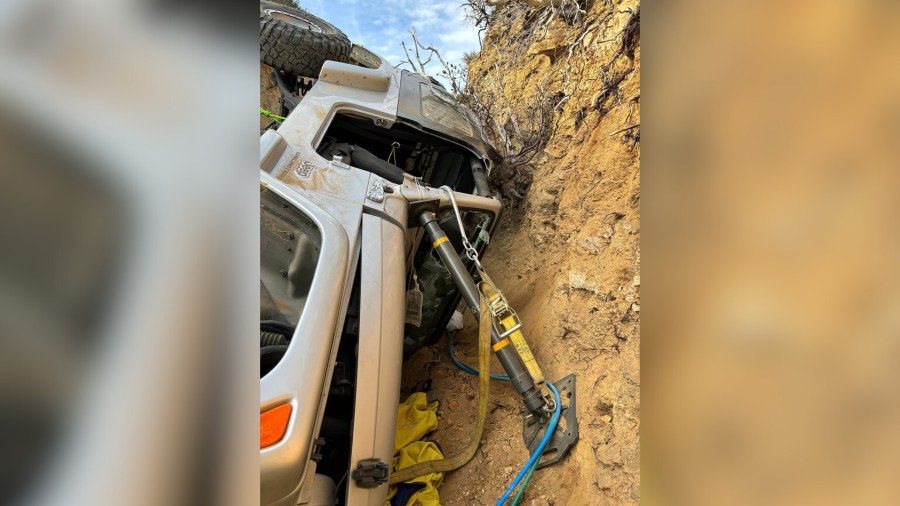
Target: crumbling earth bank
567,255
269,96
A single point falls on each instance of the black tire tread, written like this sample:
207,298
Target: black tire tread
295,49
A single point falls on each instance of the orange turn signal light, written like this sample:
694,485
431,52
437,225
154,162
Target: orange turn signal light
273,424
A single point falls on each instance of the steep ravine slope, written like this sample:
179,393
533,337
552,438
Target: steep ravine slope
567,254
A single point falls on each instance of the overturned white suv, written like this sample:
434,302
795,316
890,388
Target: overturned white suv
374,185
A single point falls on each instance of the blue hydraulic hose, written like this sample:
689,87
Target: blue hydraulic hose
465,367
540,449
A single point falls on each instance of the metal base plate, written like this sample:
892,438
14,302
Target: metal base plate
566,433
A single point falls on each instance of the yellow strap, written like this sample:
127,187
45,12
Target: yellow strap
441,240
484,383
524,351
517,338
500,345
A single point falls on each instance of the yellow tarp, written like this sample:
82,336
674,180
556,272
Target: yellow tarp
416,418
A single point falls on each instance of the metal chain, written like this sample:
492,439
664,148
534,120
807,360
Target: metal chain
471,252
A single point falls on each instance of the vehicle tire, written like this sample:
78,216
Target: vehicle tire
295,41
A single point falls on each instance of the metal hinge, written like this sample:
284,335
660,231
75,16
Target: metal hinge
338,161
318,443
370,473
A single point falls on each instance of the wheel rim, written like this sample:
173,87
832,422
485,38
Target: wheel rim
296,20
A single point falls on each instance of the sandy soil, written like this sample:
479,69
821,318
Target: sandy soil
568,257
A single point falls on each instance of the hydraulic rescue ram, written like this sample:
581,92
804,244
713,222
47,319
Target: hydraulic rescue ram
517,360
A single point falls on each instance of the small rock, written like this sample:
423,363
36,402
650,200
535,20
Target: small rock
636,307
604,480
606,418
610,455
579,281
591,244
637,281
456,321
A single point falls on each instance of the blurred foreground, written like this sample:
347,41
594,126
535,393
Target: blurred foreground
771,303
128,214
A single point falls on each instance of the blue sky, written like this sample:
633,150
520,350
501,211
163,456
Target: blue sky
381,25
